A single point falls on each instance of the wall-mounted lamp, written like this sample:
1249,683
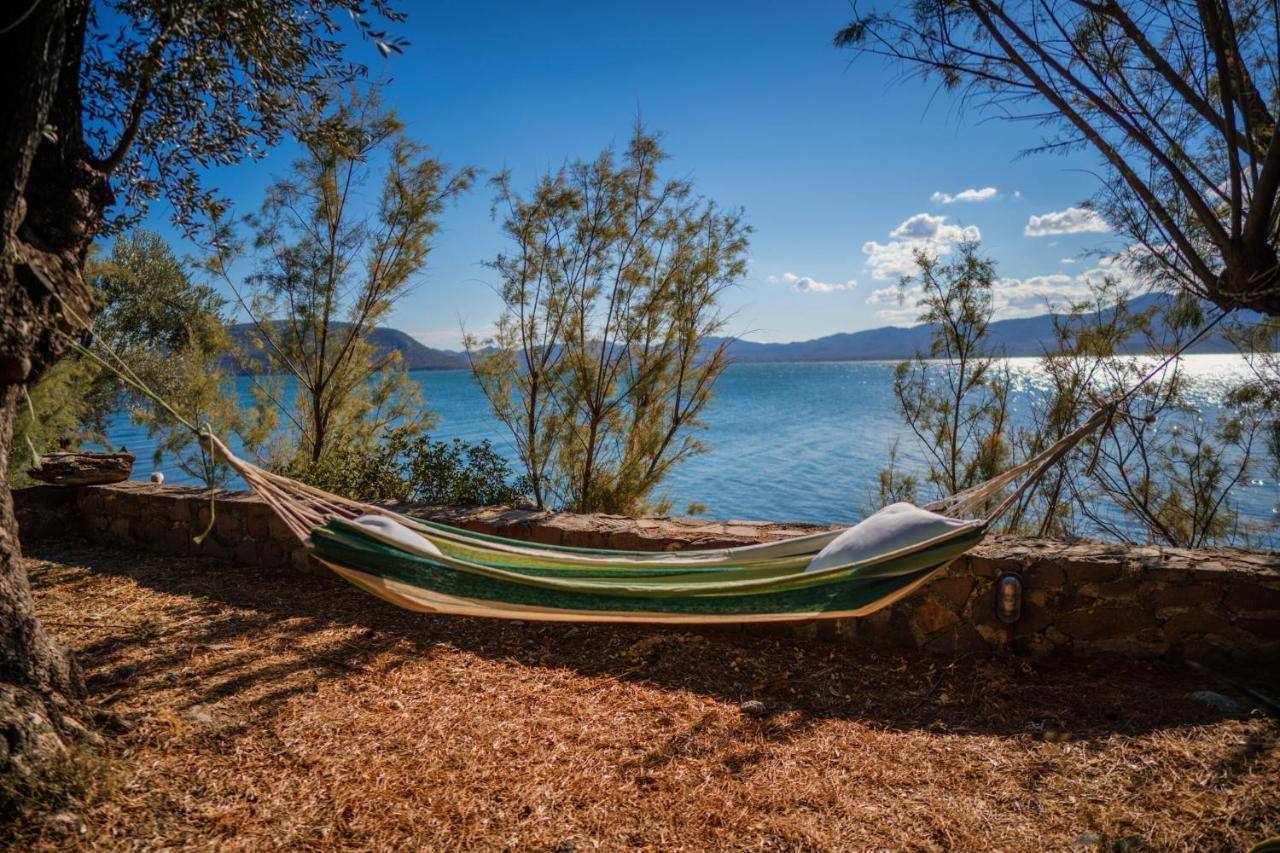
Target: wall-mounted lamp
1009,597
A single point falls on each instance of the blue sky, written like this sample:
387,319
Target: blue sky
842,167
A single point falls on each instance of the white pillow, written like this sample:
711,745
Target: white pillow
896,526
394,533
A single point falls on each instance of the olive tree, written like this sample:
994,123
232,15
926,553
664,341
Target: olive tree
110,105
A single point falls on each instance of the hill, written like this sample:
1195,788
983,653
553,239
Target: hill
413,354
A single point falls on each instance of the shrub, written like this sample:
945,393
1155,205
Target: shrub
409,467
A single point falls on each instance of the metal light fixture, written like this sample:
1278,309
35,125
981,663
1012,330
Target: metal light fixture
1009,597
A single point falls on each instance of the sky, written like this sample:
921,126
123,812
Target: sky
843,167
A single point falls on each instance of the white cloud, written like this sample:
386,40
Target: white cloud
805,284
1067,261
984,194
1073,220
1015,297
920,233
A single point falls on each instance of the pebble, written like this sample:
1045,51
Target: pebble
1216,702
67,823
1087,841
199,714
754,708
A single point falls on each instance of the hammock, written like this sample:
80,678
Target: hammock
435,568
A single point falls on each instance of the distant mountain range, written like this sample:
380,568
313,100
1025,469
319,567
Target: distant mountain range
1025,336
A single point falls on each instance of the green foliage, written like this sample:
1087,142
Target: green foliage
171,334
599,366
171,89
954,398
325,275
409,466
893,483
62,412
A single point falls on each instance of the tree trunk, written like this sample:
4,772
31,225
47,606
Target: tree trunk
51,204
39,682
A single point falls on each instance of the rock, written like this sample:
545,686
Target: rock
112,723
754,708
198,714
1216,702
65,823
1088,841
83,469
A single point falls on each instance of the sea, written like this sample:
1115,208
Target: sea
784,441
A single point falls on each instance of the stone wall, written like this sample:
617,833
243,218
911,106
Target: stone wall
1211,605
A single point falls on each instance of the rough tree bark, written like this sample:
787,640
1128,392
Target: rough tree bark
52,199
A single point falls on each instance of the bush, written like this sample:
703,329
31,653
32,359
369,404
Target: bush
408,467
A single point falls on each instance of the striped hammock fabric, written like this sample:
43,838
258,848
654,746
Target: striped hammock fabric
471,574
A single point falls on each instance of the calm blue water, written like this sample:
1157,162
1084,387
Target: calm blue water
798,442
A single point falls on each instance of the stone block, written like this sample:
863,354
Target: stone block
177,540
247,552
984,566
1104,622
1035,618
179,509
149,532
543,533
1045,576
277,530
930,618
1081,571
960,639
257,522
1117,589
951,590
1185,596
1253,596
301,560
1199,621
1267,628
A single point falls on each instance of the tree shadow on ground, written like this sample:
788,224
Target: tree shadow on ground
215,630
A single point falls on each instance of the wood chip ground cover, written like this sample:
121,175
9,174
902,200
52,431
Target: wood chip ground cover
283,710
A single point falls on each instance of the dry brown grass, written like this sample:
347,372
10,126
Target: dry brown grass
293,711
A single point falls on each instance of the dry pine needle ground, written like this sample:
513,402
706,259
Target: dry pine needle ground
292,711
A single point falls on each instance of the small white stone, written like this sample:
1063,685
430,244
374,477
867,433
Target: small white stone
157,476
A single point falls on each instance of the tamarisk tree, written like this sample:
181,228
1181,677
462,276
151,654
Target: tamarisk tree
1178,100
110,105
326,274
601,366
